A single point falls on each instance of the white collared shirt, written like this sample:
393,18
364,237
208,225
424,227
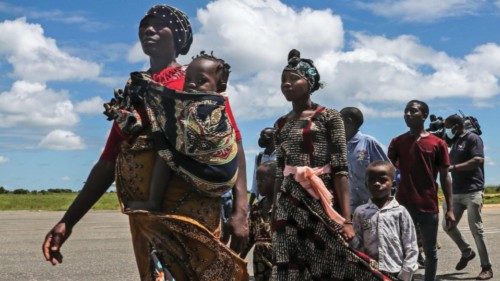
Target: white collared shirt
388,236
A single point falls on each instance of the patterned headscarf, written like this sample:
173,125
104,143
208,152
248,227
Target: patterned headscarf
305,68
178,23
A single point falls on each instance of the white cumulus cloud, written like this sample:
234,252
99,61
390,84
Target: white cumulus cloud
33,104
3,159
422,10
62,140
376,72
37,58
90,106
135,54
489,161
381,69
256,35
485,58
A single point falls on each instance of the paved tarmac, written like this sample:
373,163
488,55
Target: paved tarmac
100,248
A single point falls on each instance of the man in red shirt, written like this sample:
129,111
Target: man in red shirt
420,156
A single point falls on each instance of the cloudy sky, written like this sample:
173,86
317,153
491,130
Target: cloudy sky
60,60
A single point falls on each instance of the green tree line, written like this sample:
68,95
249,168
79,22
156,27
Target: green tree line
3,190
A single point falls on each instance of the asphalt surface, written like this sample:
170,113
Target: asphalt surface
100,248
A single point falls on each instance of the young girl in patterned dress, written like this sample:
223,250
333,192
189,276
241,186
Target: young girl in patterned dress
309,236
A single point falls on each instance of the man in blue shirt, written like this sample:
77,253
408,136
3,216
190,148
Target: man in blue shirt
361,151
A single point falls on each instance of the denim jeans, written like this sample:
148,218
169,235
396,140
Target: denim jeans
473,203
428,224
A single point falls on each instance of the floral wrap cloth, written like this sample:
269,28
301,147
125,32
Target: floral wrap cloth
191,130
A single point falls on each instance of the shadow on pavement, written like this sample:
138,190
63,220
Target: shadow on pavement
455,276
446,277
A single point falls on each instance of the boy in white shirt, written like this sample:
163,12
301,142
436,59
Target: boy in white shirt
384,229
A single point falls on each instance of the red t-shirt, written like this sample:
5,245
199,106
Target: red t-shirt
170,77
230,115
419,160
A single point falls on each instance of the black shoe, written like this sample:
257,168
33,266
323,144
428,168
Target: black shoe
486,273
464,260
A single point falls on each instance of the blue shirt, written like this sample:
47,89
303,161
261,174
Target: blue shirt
361,150
466,147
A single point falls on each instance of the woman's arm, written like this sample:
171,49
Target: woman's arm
338,161
341,185
99,180
238,222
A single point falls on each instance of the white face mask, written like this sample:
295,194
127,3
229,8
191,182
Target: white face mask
449,133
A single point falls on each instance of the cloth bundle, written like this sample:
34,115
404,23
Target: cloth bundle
190,130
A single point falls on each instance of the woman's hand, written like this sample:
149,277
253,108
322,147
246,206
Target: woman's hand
238,228
347,231
100,178
53,241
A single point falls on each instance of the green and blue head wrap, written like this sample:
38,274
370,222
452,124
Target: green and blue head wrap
304,68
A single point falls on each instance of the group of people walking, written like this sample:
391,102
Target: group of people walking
325,206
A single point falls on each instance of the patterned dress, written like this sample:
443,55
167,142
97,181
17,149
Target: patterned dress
185,233
260,235
306,243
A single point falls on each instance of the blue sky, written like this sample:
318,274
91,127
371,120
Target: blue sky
60,60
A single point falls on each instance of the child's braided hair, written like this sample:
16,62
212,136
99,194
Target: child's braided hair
222,67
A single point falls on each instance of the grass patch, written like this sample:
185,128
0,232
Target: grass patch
109,201
492,199
492,189
52,202
491,195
